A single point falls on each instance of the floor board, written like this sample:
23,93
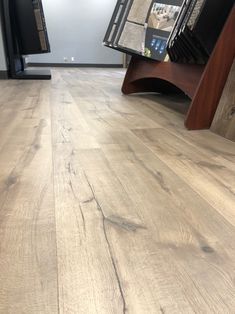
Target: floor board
28,263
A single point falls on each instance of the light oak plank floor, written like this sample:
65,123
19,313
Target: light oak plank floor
108,205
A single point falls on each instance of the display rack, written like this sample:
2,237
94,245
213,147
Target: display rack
15,61
203,84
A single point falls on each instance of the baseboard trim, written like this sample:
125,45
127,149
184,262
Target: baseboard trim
3,75
74,65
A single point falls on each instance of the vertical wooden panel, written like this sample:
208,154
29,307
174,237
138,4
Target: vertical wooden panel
224,121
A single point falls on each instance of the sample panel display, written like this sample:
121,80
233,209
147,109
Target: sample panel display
143,27
30,26
184,30
197,29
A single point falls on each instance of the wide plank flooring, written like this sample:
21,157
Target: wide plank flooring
108,205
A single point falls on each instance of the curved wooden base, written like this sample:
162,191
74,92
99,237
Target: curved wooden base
152,76
203,84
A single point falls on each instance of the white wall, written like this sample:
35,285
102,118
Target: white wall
76,29
2,52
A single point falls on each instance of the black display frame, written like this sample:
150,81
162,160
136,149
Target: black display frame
15,61
111,40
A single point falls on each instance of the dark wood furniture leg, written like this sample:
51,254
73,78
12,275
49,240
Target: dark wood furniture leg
210,89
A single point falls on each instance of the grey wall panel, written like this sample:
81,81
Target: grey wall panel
2,52
76,29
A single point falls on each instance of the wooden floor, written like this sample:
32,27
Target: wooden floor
108,205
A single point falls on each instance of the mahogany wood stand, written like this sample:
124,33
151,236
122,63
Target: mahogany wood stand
203,84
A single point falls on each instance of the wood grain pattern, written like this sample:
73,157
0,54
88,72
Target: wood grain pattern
224,121
161,77
108,205
28,276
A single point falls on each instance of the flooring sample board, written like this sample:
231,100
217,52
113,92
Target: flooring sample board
198,31
139,11
132,37
142,27
224,121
